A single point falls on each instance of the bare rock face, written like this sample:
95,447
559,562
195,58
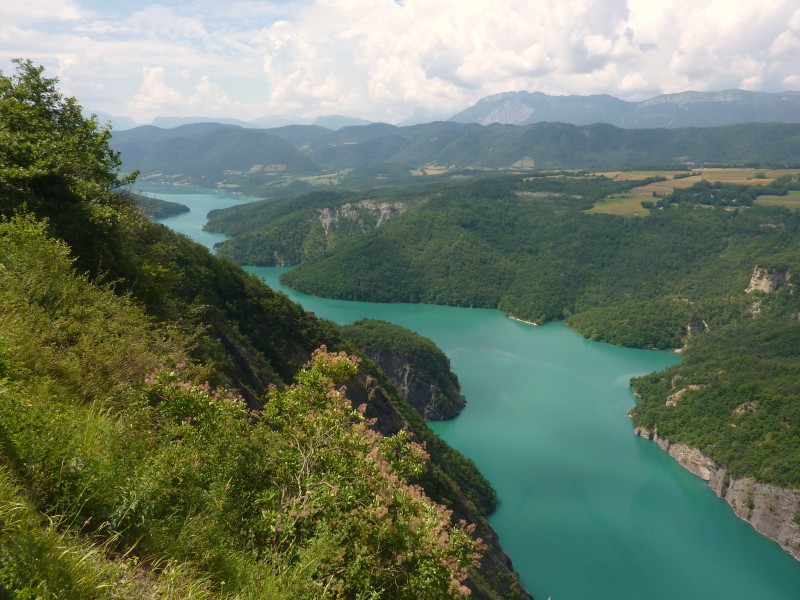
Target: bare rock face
692,460
662,443
772,511
673,399
766,280
746,407
366,213
424,394
696,327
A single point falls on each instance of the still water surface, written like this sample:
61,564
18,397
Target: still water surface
586,509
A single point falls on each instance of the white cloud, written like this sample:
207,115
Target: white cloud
154,94
209,95
157,97
382,59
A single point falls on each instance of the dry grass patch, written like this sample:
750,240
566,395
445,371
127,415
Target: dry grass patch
626,206
631,204
790,201
430,169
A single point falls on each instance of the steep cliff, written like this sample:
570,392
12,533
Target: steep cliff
767,280
772,511
416,366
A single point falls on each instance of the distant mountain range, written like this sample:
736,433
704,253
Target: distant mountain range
120,123
686,109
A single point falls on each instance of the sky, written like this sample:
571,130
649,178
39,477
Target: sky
392,60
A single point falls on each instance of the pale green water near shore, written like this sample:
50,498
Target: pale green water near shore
586,509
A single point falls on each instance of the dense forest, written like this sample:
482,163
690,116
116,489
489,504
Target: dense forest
171,427
307,226
526,245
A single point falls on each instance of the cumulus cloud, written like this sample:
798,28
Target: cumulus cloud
383,59
155,94
157,97
441,53
447,53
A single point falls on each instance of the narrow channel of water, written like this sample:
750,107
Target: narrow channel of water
586,509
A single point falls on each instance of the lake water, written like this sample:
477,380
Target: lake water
199,201
586,509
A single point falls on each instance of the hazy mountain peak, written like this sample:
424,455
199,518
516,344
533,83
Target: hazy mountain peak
683,109
509,110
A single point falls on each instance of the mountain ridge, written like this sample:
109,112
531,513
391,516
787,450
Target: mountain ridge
689,109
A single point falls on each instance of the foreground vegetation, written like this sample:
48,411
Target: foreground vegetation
166,427
119,437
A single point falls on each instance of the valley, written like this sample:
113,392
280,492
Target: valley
676,278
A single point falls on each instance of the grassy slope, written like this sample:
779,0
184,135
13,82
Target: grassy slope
81,368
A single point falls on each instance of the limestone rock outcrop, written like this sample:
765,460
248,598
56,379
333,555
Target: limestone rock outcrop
767,280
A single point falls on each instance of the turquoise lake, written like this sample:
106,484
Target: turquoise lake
586,509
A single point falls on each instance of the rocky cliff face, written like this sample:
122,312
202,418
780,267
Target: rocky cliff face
766,280
366,213
773,511
421,391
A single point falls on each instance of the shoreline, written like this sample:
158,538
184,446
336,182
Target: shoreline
522,321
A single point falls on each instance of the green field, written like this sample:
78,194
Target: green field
626,206
790,201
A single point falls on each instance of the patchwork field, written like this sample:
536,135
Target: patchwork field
631,204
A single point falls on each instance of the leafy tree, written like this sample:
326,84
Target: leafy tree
56,162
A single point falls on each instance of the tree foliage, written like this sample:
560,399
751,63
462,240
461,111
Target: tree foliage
56,162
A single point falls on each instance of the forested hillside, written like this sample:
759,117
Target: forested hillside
305,227
155,208
415,364
171,427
